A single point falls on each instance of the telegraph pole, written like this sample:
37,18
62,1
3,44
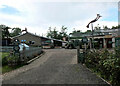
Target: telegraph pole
91,22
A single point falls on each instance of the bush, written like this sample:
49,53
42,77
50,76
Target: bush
106,64
8,58
4,57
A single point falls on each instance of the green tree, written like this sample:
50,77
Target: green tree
56,34
74,31
78,31
63,32
15,31
115,27
5,31
105,28
52,33
97,27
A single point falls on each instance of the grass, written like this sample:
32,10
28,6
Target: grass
7,68
4,54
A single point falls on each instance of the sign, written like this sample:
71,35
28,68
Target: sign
16,47
16,42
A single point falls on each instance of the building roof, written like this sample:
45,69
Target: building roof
36,36
113,32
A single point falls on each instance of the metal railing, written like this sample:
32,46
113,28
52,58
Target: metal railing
6,48
30,53
25,54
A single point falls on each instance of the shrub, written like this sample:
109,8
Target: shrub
8,58
105,63
4,58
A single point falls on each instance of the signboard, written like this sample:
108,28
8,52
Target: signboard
16,47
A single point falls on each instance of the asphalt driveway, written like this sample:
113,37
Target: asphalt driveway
56,66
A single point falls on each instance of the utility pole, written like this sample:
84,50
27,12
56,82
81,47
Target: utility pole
91,22
92,35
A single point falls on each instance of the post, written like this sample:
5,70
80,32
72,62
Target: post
78,53
90,43
91,22
6,42
92,36
113,42
85,46
104,42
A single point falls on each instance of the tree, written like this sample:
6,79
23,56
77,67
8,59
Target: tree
78,31
74,31
63,32
115,27
88,31
97,27
15,31
105,28
56,34
52,34
5,31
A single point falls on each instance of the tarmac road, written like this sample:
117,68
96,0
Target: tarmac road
56,66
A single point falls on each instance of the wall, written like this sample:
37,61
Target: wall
29,37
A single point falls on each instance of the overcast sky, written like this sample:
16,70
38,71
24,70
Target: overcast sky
38,15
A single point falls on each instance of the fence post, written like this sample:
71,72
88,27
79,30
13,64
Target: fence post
78,54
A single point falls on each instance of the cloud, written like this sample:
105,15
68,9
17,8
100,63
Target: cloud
81,25
38,15
9,10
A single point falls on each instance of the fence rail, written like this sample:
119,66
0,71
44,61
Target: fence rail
6,48
25,54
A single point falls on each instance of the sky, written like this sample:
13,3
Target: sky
38,15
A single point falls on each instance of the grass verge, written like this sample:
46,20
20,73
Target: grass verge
7,68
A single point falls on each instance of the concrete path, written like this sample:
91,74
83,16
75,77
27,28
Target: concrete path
56,66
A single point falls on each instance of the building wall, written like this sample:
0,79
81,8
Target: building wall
28,37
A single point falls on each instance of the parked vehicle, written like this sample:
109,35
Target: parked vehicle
23,46
64,44
48,44
72,44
